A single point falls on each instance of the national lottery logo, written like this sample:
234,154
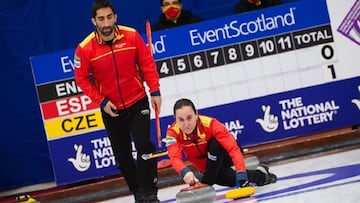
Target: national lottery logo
102,155
295,114
356,101
269,122
81,161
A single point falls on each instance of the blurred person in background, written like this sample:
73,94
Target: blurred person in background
250,5
174,15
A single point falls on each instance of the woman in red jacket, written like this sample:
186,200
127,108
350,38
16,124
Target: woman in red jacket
212,150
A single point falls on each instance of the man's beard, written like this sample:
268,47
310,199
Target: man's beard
107,31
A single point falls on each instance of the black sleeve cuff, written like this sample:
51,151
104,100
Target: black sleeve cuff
157,93
103,103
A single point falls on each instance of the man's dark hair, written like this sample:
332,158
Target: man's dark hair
99,4
161,2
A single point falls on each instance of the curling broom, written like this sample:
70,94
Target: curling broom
148,35
157,119
240,192
251,162
158,132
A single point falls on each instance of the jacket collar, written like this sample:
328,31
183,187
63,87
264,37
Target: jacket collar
117,33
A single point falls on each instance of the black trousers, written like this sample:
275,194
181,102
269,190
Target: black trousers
219,171
133,123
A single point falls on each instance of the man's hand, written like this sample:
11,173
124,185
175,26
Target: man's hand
110,109
156,102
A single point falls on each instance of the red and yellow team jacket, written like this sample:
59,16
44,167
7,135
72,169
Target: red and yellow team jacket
115,71
195,146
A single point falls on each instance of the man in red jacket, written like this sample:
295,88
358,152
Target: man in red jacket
110,65
209,146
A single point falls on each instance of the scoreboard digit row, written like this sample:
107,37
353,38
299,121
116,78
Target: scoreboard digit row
244,51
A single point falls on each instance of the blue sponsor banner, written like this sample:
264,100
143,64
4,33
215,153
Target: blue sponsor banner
83,157
79,158
291,114
239,28
53,67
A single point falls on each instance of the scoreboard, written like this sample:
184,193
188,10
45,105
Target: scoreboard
247,55
252,68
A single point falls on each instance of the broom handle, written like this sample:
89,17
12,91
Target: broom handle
158,129
148,35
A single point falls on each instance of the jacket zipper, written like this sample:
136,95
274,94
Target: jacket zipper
117,76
